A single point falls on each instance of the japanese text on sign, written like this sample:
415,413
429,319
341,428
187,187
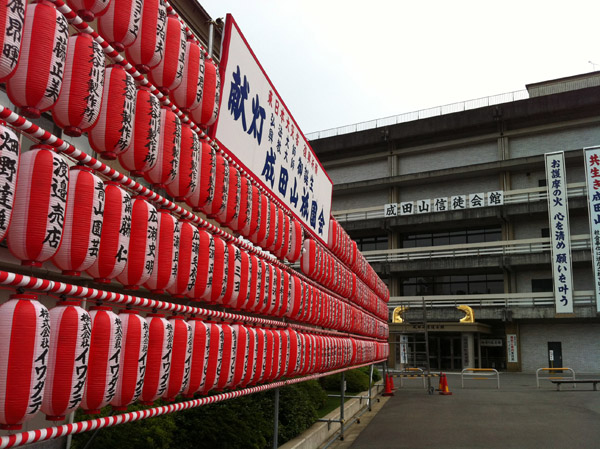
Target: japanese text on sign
592,178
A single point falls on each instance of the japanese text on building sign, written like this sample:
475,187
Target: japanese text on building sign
592,178
257,129
495,198
560,235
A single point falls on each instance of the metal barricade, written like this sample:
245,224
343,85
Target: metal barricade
553,370
479,374
411,373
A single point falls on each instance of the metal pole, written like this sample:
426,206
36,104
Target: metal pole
276,419
426,346
370,385
211,31
342,400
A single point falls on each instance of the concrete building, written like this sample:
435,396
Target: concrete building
450,207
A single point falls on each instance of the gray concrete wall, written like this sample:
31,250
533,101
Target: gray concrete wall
582,278
437,160
359,172
445,189
564,140
580,348
367,199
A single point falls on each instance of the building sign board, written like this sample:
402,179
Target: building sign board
592,179
257,129
511,347
443,204
560,234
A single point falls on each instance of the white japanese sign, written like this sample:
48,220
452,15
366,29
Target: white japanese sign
592,178
560,234
474,200
390,210
256,128
511,347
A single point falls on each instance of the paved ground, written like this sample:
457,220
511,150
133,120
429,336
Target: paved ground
517,416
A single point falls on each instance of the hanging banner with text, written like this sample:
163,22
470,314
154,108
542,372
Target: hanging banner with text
560,234
256,128
592,179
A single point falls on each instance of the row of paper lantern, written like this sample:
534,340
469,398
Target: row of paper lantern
324,268
65,358
71,217
46,69
340,244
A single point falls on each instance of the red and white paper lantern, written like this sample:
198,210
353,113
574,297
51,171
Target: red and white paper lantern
167,161
114,240
181,358
12,21
68,359
187,260
295,248
188,95
232,208
10,149
36,82
167,75
119,25
205,267
186,180
214,362
104,359
25,331
242,355
220,272
132,367
206,114
142,244
78,104
148,49
111,135
158,363
39,206
228,353
245,205
250,360
83,222
204,194
142,152
167,253
88,10
219,203
200,332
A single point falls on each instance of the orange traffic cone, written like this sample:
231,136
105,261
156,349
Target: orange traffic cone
388,386
440,386
444,385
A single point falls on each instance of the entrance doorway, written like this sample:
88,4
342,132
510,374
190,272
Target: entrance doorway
445,352
555,354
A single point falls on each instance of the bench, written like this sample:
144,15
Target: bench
558,383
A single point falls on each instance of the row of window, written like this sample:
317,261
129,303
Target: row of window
467,284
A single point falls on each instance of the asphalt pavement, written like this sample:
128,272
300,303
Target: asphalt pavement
518,415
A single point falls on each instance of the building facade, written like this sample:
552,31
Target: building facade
452,209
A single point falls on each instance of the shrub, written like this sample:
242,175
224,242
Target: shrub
356,381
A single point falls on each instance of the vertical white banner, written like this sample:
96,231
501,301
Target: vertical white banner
592,179
560,234
511,348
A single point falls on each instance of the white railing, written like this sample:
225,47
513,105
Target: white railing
505,300
421,114
503,247
574,190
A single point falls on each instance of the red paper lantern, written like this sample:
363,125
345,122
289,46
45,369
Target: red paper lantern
228,353
282,243
142,244
253,224
167,162
166,253
263,211
200,332
68,359
83,222
78,104
181,358
234,276
167,75
293,353
245,205
142,152
12,21
10,148
187,260
111,135
273,227
148,49
205,267
187,176
103,361
206,113
158,362
250,360
272,346
88,10
219,203
295,248
242,355
188,95
36,82
260,359
214,362
204,194
232,207
25,330
119,25
242,275
39,206
114,240
220,272
132,367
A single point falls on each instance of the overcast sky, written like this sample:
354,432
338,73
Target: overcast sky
337,62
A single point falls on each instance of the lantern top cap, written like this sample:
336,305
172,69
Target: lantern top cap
25,296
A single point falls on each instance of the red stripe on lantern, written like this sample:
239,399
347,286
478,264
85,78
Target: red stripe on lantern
167,75
119,25
160,344
181,359
148,49
206,113
214,361
200,332
188,95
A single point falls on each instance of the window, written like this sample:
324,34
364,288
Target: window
454,285
491,234
541,285
545,232
372,243
542,182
